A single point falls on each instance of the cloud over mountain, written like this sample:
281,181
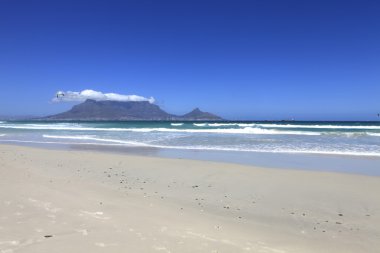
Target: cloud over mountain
80,96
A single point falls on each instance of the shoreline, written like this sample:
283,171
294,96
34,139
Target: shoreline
361,165
72,201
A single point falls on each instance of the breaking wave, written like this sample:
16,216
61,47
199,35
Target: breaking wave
246,130
317,126
89,137
200,124
113,142
358,138
265,125
374,134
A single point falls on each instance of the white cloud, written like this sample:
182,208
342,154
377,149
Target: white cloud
80,96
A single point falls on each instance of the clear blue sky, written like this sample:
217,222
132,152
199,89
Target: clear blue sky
240,59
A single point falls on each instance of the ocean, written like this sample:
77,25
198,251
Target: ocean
344,139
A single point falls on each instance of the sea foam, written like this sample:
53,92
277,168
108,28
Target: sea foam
89,137
316,126
334,138
198,147
246,130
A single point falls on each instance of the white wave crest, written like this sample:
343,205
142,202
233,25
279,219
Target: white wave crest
200,124
279,150
374,134
176,124
2,135
242,130
59,126
246,130
89,137
231,124
316,126
224,124
211,148
351,134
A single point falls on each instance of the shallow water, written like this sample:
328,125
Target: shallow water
332,146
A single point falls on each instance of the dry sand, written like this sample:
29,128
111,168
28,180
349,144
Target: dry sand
78,201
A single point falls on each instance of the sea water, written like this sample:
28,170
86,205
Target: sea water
241,139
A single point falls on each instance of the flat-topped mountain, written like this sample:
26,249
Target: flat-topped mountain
116,110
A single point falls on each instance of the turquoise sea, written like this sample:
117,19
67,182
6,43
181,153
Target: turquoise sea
248,138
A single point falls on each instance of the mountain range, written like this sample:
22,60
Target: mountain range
130,110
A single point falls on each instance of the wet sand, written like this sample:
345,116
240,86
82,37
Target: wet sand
77,201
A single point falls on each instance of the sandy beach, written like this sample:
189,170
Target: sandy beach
81,201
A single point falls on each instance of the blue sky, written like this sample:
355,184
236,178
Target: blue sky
239,59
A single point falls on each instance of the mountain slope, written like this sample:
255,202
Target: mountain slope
197,114
115,110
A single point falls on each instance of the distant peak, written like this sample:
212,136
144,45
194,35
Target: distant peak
197,114
196,110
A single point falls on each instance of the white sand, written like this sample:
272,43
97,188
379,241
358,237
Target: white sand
98,202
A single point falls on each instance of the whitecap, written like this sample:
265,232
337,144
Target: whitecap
316,126
374,134
246,130
231,124
211,148
89,137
